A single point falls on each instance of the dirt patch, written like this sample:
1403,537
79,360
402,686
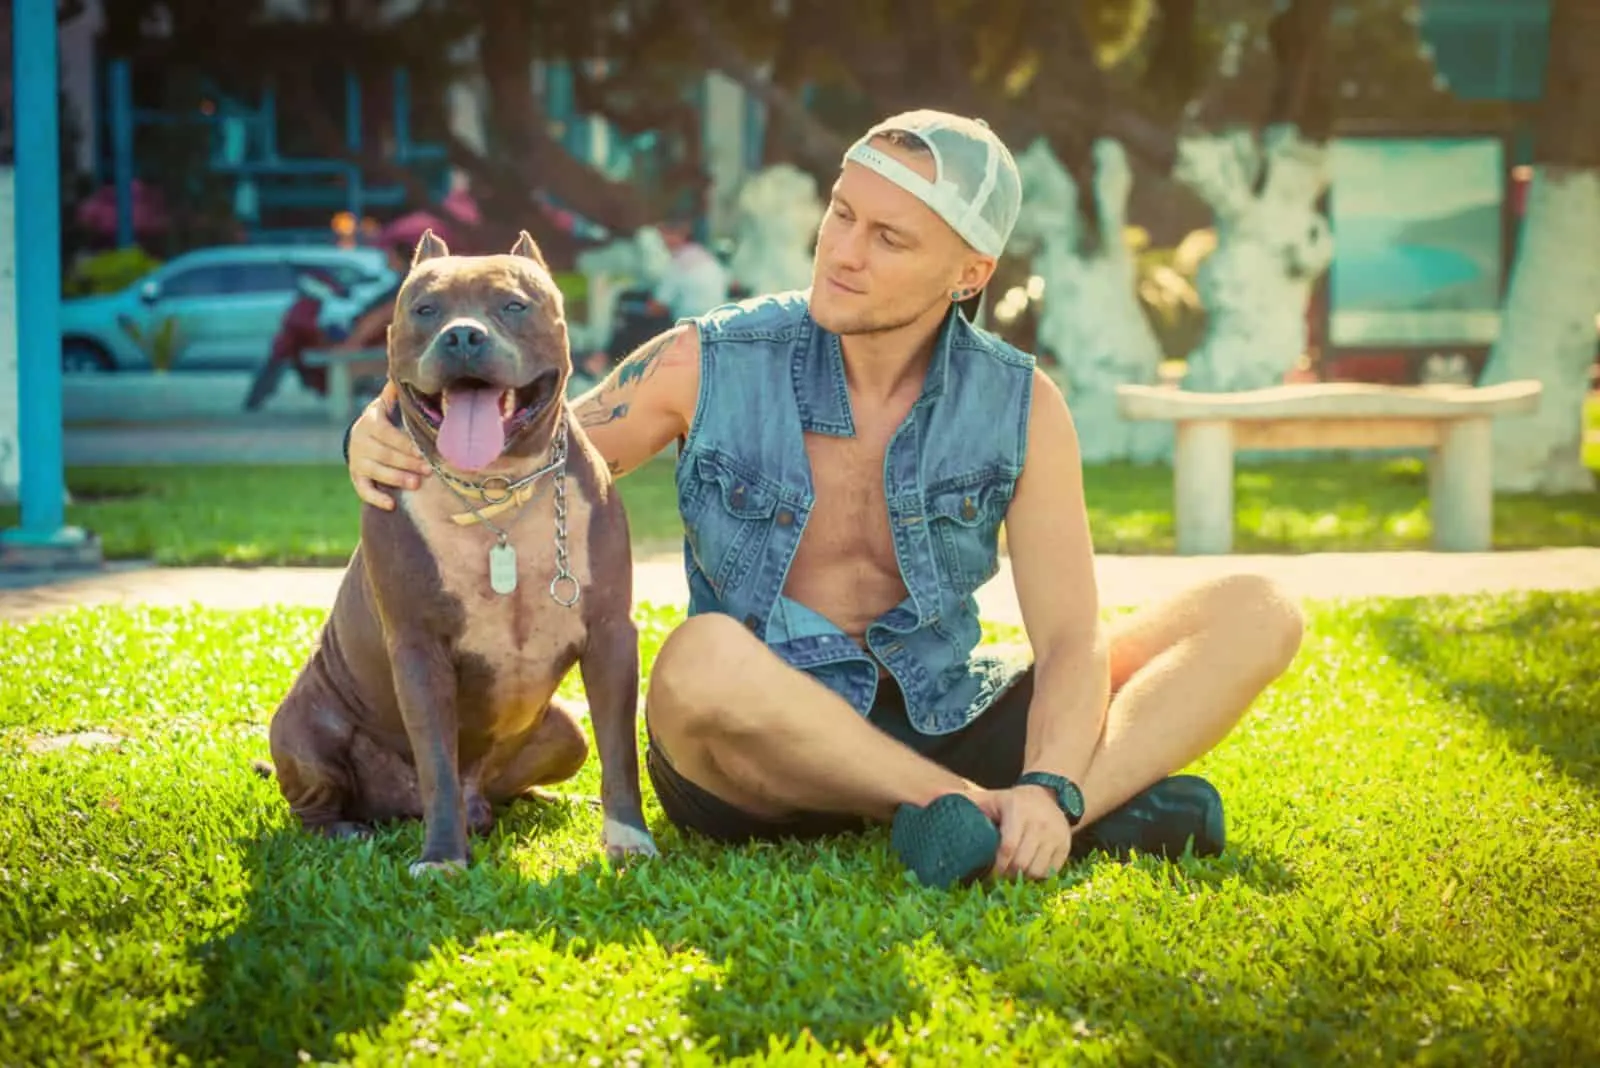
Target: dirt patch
52,743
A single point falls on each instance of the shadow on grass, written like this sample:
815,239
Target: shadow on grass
331,937
1520,661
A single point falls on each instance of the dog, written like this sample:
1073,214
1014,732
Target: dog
431,692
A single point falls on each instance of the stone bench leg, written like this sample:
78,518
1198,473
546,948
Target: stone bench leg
1461,475
339,392
1203,487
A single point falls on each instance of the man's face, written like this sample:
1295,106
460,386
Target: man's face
884,259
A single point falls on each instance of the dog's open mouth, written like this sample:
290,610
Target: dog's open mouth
474,419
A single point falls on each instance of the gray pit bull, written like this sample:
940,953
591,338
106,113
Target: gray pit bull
431,693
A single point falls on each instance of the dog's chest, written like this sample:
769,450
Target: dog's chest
524,635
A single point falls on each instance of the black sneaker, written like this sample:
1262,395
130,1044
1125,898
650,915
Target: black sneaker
1160,821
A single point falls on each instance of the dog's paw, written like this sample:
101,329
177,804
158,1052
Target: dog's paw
345,830
624,840
421,868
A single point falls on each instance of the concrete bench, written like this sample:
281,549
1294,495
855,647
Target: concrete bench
342,370
1453,422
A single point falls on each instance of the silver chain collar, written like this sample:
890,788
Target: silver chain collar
503,556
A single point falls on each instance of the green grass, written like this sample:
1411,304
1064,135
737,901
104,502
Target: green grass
1411,878
308,515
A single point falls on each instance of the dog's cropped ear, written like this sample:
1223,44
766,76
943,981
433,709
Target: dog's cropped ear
526,247
429,246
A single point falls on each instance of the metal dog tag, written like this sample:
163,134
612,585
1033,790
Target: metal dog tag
503,568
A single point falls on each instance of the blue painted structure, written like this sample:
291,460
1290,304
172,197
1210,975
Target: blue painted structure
244,148
38,237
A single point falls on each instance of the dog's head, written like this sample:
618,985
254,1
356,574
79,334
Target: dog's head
478,349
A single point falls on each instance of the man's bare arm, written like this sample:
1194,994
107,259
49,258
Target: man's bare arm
1052,562
646,402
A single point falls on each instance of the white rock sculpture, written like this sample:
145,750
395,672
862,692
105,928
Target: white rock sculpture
776,216
1091,320
1272,245
1548,332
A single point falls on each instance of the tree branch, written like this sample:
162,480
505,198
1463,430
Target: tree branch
818,147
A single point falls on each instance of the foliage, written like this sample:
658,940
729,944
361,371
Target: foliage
160,343
108,272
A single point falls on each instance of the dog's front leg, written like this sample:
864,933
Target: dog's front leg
610,668
425,686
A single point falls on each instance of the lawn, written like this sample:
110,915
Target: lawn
308,514
1411,878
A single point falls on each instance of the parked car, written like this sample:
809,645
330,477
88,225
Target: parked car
210,309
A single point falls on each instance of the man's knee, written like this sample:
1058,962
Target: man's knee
1261,612
696,672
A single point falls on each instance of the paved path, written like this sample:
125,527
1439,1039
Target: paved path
1122,580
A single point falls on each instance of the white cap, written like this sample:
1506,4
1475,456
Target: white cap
976,186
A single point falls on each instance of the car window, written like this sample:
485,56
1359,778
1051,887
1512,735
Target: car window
230,279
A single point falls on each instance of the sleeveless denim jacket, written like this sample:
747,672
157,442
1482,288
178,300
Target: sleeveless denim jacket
768,375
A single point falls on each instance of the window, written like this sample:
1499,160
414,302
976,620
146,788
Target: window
230,279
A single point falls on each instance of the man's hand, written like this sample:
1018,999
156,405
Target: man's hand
1035,837
383,453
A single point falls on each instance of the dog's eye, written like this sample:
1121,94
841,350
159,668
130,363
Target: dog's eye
516,306
424,310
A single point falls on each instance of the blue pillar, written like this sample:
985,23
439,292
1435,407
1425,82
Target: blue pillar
402,115
352,111
38,237
122,147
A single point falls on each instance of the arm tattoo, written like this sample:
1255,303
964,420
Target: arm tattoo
606,406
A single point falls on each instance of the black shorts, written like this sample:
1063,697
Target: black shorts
989,751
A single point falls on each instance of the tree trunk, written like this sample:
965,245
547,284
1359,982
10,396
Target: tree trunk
1091,321
1272,244
1549,327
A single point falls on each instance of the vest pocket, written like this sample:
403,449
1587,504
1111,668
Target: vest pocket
728,512
963,524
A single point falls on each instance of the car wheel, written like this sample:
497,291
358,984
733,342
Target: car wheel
84,357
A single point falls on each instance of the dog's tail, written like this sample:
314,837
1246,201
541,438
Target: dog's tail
263,768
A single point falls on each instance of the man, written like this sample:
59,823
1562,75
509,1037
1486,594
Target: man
848,455
695,280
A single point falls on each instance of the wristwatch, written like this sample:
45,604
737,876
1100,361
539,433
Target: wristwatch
1067,794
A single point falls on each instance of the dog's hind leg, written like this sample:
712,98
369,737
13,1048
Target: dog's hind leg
310,737
552,751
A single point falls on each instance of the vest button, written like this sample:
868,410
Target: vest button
785,517
738,496
751,621
968,511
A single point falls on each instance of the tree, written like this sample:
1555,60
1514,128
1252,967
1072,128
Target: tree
487,43
1552,308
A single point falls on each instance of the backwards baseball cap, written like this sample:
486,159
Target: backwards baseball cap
976,187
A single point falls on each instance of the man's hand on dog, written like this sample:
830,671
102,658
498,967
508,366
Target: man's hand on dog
381,453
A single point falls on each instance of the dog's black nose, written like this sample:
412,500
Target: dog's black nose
464,339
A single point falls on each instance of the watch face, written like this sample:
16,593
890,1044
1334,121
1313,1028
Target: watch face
1072,798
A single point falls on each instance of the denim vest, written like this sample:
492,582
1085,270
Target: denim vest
769,374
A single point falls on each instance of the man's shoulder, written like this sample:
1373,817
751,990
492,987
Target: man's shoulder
771,316
970,337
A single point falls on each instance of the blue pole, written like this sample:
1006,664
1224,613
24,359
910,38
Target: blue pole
122,147
352,111
38,237
402,115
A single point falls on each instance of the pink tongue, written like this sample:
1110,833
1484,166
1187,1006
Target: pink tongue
471,436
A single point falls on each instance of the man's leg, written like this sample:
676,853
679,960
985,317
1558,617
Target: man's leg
1183,672
739,723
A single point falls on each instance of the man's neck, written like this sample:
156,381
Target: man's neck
881,366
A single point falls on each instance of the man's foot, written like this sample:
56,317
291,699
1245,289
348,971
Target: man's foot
949,842
1160,821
